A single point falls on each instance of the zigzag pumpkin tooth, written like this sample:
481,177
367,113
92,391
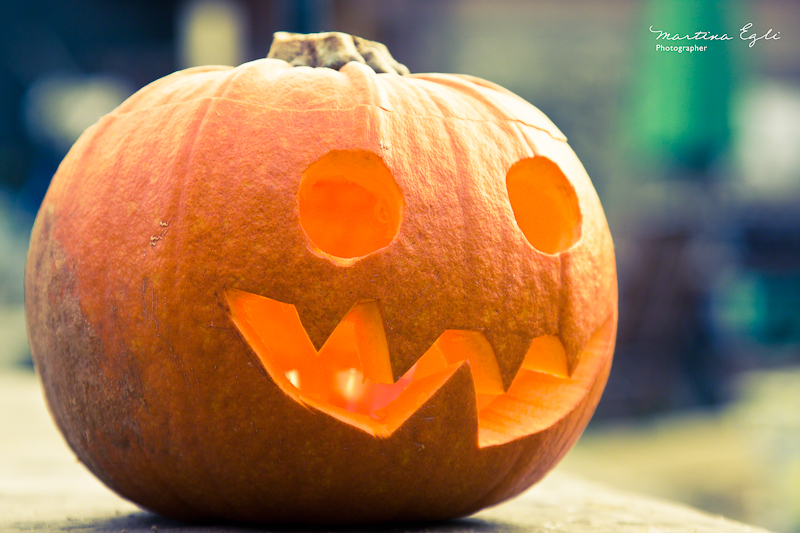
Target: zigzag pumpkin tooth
352,371
360,332
350,377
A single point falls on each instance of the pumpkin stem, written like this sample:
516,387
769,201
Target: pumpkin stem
333,50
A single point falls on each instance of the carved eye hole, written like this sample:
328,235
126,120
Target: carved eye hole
350,205
544,204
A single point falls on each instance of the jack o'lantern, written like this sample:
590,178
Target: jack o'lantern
300,290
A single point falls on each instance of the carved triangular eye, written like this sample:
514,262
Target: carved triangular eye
350,205
544,204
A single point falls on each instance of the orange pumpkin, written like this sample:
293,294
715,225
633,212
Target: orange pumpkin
299,294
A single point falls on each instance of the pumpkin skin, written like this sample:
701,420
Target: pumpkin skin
188,193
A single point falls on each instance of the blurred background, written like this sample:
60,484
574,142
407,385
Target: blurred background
695,156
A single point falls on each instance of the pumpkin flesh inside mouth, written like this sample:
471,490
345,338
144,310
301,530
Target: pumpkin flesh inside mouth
350,377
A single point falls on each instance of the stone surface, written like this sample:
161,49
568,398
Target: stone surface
43,488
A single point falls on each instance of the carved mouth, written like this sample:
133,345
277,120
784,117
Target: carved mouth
350,377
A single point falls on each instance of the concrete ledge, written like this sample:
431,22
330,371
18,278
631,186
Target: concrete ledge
43,488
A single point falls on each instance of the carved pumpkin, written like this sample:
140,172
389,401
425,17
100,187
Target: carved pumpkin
279,293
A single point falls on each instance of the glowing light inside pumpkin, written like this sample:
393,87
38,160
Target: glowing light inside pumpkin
544,203
349,204
294,377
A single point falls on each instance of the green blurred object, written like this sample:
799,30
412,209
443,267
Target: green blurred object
682,100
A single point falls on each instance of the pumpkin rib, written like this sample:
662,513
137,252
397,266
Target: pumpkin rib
118,113
465,91
461,85
463,168
169,250
449,82
466,203
370,84
186,181
170,86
